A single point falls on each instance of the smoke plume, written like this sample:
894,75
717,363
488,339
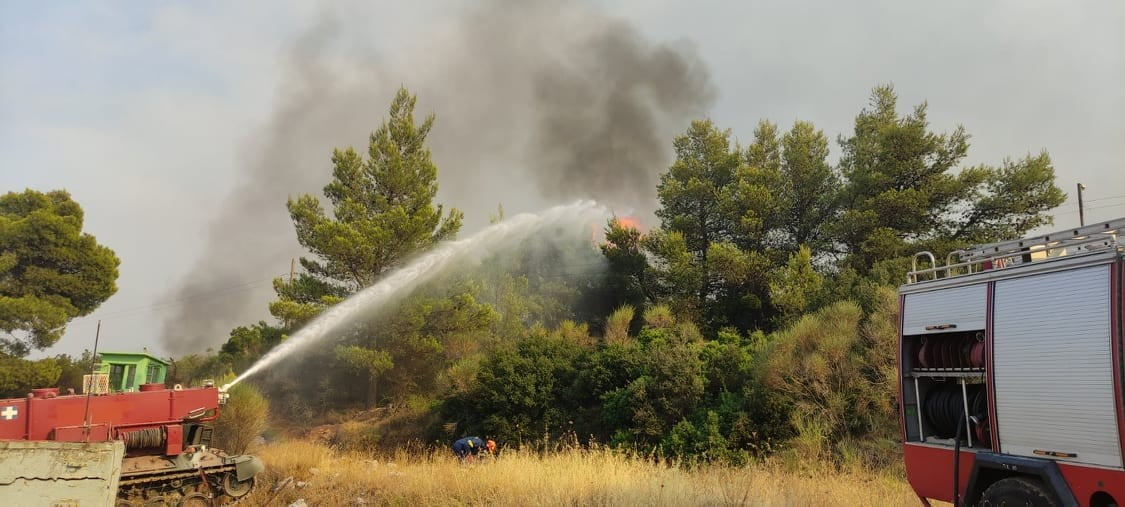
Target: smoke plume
537,102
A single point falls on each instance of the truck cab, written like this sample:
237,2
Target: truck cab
1010,371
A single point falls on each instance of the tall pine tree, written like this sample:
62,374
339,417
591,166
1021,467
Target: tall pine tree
382,213
904,191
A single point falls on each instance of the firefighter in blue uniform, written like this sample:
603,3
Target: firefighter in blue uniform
469,447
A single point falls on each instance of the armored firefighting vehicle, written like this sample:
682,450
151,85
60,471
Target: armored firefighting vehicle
1010,364
144,445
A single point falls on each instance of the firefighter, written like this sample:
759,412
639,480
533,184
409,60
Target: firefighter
467,448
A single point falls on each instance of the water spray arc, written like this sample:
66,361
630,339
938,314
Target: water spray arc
398,283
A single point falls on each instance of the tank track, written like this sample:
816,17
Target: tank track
127,487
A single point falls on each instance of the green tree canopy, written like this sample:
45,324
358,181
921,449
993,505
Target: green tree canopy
19,376
904,191
382,213
808,190
247,343
698,262
50,271
693,190
625,280
795,288
732,218
729,216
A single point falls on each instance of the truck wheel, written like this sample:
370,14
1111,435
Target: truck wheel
1015,491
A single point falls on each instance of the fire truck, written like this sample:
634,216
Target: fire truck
1010,362
140,447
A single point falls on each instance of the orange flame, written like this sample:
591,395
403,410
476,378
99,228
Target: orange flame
626,222
630,223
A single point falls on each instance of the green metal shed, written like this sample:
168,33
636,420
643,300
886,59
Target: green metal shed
128,370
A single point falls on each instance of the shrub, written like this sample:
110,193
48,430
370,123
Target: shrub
835,369
659,316
19,376
241,420
617,325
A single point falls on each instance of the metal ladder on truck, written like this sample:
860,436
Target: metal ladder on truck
1006,254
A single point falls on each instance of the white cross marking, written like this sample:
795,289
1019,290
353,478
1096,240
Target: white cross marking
9,413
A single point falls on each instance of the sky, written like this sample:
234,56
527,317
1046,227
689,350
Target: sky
151,113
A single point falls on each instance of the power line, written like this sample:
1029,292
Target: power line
1107,198
224,291
1088,208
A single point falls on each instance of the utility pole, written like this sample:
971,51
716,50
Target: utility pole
1081,211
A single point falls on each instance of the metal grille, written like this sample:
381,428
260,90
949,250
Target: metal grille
97,383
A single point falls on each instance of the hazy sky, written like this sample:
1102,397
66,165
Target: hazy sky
148,112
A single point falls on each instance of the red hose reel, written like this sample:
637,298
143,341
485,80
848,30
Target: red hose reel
961,351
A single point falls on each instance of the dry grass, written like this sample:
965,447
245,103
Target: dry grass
569,478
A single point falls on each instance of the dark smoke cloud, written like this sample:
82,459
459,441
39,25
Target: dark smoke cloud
608,137
537,102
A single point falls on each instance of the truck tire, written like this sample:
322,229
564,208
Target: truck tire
1017,491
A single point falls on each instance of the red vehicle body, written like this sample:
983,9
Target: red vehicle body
1010,362
165,433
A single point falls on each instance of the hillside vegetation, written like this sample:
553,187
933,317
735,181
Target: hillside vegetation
753,318
756,320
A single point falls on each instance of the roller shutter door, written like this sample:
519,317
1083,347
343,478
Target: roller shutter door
1053,371
962,306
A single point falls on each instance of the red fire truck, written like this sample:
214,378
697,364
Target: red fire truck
1010,361
149,447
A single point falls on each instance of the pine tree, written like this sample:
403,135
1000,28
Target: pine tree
50,271
382,213
904,191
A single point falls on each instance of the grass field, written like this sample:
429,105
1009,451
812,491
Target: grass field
322,476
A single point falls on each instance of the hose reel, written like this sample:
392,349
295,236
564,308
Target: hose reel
959,351
944,408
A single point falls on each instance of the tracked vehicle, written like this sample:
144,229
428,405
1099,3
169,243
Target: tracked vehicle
150,446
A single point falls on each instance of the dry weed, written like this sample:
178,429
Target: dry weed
322,476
